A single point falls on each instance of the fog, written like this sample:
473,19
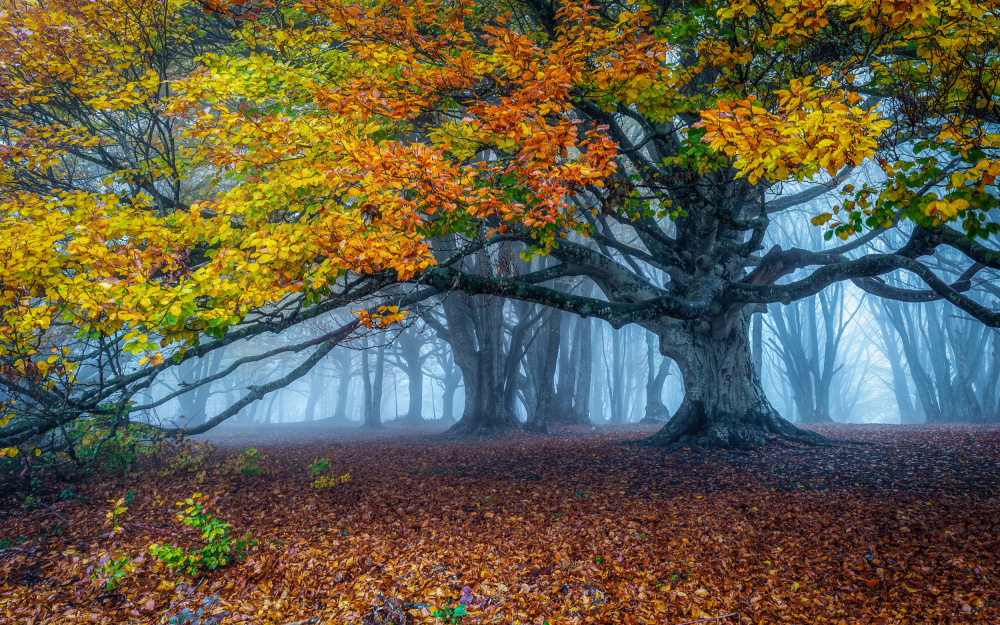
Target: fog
841,355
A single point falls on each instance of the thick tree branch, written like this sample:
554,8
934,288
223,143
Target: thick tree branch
808,195
878,287
617,314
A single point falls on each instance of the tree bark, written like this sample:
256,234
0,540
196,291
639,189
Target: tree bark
562,399
415,389
724,403
581,399
758,342
616,377
450,387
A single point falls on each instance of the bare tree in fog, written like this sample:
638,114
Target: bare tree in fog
657,370
953,364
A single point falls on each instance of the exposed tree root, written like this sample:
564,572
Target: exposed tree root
695,426
478,426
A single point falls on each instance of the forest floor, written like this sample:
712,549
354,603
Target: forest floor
572,528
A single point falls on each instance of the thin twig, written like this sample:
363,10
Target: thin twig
54,511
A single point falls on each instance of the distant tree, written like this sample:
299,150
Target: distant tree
954,364
808,336
571,404
372,382
658,368
450,379
411,350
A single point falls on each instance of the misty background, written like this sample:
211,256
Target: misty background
840,356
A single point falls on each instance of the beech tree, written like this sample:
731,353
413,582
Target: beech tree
362,153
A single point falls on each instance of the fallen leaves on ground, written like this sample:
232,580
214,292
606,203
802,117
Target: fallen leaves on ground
576,528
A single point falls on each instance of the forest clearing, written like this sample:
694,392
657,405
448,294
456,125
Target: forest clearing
573,528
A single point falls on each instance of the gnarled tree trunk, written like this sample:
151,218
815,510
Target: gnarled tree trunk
724,403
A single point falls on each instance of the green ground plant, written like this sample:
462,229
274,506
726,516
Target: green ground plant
218,550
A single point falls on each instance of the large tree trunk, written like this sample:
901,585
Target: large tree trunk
451,377
584,383
485,412
758,341
724,403
539,421
572,403
561,405
415,390
475,334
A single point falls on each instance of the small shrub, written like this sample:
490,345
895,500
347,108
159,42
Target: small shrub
219,548
113,570
246,461
118,508
450,614
28,501
326,481
319,465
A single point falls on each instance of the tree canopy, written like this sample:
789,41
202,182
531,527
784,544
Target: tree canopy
178,175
